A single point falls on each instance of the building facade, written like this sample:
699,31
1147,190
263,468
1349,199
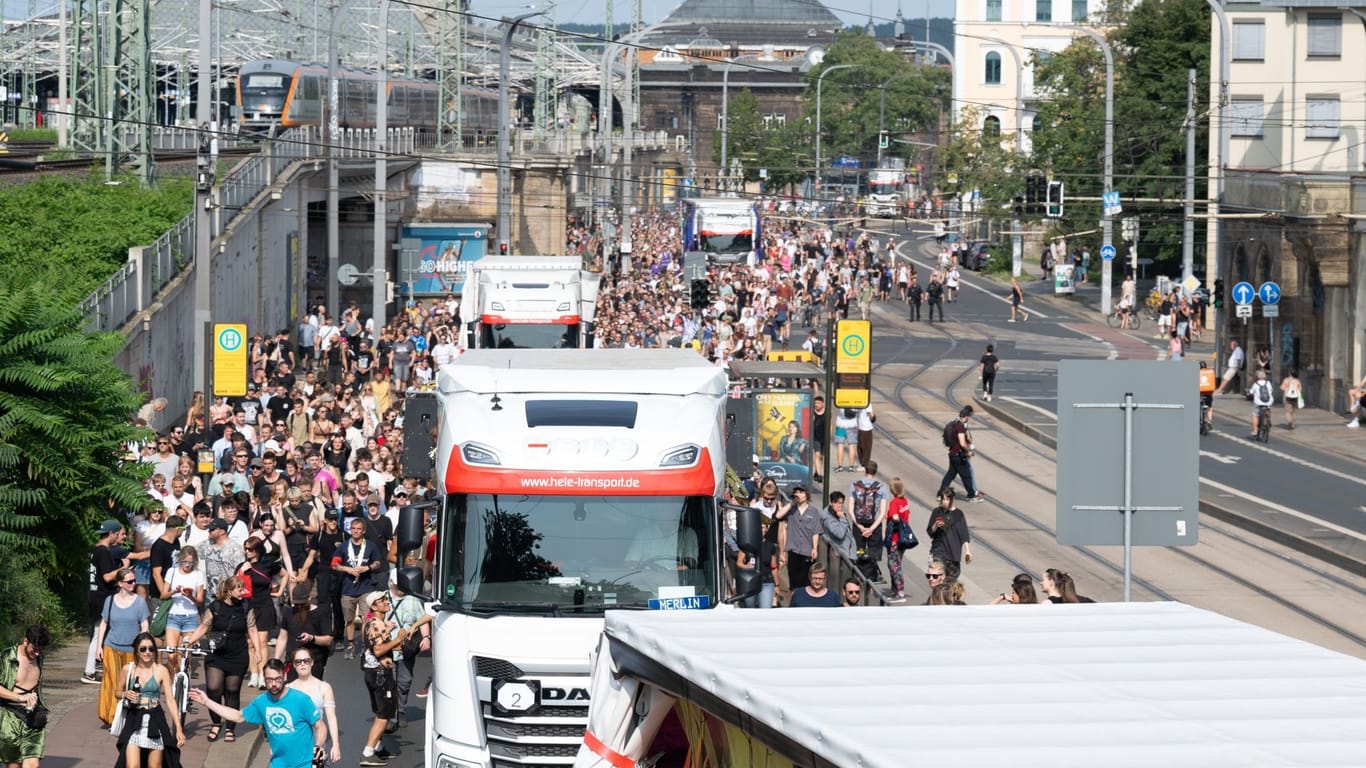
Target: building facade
1294,207
994,44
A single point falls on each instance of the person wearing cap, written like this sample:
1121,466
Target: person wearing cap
104,569
220,555
327,583
407,612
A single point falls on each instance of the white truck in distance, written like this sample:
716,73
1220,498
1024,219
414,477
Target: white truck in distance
570,482
724,229
528,302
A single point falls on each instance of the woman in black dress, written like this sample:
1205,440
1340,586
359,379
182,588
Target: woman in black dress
258,572
228,623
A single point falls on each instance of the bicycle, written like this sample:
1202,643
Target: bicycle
1264,423
1116,319
180,682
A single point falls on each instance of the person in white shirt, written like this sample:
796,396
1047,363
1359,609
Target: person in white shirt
865,417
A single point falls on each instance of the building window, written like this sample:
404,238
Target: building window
1043,10
775,120
1079,11
1325,35
1249,41
1321,117
993,68
993,10
991,127
1245,116
1035,124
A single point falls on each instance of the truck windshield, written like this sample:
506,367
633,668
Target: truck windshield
528,336
719,243
574,555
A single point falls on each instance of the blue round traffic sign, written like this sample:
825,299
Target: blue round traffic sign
1269,292
1243,293
1107,252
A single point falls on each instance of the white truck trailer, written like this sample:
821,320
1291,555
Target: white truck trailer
528,302
571,483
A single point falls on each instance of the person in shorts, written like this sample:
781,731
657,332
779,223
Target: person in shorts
846,439
355,563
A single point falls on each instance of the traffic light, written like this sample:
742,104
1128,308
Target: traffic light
1036,193
701,294
1218,293
503,249
1054,209
883,140
1019,206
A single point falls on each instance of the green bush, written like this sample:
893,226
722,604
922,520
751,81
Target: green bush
27,599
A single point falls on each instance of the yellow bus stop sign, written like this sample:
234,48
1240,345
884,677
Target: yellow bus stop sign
853,363
230,359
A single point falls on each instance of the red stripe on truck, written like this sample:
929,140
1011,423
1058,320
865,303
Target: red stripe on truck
697,480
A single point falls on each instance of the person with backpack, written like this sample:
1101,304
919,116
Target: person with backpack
868,513
1262,397
958,441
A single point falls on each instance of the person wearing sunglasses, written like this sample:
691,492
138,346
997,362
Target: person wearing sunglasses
123,616
149,729
293,724
320,691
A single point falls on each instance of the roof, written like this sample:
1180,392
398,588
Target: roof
753,11
676,372
774,369
748,22
1053,686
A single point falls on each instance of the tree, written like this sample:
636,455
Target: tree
981,162
1154,44
852,99
745,135
64,428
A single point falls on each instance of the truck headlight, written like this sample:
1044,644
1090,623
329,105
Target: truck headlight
474,453
682,456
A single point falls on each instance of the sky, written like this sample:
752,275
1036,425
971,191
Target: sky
851,11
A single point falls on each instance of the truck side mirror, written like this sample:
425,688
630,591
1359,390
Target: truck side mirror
410,581
749,537
410,525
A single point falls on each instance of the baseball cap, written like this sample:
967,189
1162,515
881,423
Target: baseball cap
376,595
219,524
257,462
400,492
110,526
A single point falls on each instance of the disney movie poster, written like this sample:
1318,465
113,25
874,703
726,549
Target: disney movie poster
782,436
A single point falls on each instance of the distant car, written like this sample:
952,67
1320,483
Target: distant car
975,257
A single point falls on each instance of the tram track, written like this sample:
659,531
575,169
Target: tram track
952,342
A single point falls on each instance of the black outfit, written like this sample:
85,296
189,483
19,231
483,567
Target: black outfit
380,531
163,556
936,295
262,604
102,561
157,726
328,584
947,542
1058,600
913,296
227,664
989,365
318,623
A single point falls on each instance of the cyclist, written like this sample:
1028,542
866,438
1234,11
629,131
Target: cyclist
1207,392
1262,397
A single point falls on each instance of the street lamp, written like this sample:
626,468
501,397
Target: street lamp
820,81
1108,178
504,139
725,109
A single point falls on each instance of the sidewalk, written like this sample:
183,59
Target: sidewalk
75,735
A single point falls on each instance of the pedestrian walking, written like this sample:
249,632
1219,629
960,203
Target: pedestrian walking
320,692
868,513
950,540
230,623
123,616
406,611
989,365
293,724
914,295
935,293
152,734
798,537
1016,296
1292,396
23,718
106,559
867,417
382,640
958,441
899,511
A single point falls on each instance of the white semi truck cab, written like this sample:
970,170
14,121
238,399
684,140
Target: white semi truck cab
528,302
570,483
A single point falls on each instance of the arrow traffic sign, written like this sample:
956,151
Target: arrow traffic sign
1243,293
1269,292
1107,252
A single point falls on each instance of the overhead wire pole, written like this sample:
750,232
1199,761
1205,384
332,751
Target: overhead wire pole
381,148
1016,226
504,135
333,172
1108,175
1214,233
820,81
207,163
450,72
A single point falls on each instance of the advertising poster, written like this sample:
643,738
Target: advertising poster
434,256
782,437
1062,279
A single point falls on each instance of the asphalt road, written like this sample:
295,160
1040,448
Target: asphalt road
353,716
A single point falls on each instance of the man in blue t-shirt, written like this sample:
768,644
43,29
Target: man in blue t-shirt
294,726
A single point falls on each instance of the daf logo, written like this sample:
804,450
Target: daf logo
564,694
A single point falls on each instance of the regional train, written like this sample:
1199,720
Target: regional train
277,94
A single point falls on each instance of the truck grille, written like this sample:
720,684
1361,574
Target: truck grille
549,737
496,669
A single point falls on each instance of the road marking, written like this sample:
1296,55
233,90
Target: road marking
1052,416
1306,463
1219,457
1273,506
964,283
1113,354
